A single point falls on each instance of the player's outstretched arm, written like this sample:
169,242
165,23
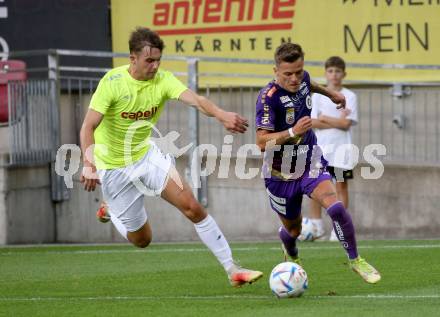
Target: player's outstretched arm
335,96
88,175
232,121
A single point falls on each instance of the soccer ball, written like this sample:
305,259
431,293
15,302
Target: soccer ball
308,230
288,279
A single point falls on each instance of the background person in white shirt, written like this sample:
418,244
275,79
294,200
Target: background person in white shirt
332,128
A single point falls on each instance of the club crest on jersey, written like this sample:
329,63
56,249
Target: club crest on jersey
309,102
290,115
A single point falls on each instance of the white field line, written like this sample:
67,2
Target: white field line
213,297
202,249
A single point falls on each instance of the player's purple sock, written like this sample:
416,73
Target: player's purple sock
288,241
344,229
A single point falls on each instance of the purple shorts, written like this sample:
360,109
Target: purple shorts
286,196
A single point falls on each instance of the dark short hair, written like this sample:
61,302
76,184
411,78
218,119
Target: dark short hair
288,52
335,61
142,37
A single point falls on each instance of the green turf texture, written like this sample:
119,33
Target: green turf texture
186,280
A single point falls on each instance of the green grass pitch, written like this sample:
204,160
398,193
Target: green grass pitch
186,280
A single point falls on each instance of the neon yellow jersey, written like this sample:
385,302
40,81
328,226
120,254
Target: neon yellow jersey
131,108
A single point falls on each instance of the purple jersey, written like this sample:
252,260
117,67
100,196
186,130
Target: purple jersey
278,109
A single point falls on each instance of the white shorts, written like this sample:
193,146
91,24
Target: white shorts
124,188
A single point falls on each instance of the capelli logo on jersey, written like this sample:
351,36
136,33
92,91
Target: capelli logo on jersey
140,115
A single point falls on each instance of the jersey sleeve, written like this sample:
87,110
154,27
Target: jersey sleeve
352,105
265,116
172,86
103,96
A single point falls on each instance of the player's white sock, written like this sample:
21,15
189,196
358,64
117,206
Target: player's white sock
317,221
319,225
213,238
119,226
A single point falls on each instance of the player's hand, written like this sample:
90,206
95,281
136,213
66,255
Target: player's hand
338,99
302,126
89,178
233,122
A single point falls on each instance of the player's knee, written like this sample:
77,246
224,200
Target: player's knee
328,198
194,211
140,240
143,242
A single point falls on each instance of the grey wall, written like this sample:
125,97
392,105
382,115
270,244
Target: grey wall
402,204
26,210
